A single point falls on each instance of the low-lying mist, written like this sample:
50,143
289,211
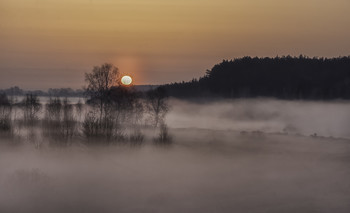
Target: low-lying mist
330,119
227,156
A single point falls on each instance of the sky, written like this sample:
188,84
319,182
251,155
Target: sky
52,43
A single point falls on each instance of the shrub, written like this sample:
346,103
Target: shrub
164,138
95,128
136,138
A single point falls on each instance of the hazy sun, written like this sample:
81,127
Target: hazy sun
126,80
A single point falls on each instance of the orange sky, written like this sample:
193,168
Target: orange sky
51,43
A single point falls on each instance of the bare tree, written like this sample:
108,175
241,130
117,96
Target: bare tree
79,109
32,107
5,116
53,109
99,122
157,105
99,82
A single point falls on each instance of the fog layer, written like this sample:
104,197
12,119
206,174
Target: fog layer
210,167
267,115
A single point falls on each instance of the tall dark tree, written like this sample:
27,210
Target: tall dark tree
99,82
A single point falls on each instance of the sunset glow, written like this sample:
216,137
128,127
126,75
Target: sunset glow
126,80
57,41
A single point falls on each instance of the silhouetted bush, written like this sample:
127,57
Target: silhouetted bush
100,131
136,138
164,138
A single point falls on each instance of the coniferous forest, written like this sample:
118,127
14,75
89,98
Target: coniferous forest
280,77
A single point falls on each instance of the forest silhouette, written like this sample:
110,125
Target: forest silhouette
280,77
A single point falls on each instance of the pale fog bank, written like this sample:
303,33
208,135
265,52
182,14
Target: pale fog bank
330,119
232,159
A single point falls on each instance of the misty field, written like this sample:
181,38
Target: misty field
246,155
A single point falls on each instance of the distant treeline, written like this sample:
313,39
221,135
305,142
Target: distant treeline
280,77
61,92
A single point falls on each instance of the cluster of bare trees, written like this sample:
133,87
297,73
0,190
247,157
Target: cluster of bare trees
29,107
116,109
60,122
113,113
56,120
